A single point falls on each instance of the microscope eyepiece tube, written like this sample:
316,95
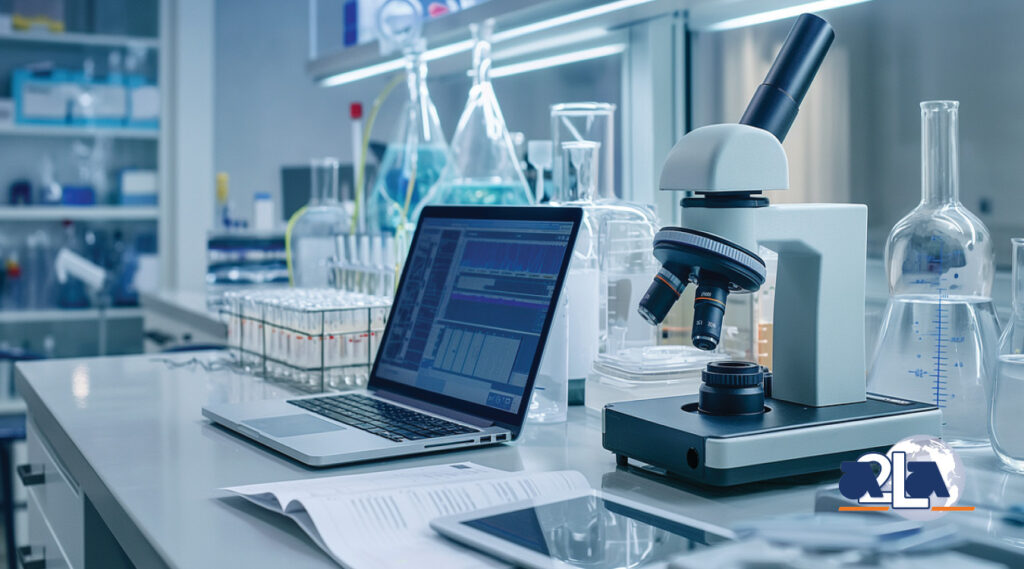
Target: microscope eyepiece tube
777,101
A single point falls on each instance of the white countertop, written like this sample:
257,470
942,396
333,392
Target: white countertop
130,432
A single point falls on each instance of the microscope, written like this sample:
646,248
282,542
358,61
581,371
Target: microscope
810,412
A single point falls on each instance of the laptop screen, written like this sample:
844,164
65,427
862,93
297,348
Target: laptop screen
472,310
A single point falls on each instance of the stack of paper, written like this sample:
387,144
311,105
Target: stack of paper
382,520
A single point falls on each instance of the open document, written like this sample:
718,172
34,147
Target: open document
382,520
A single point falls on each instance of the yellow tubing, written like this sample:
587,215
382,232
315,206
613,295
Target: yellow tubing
361,167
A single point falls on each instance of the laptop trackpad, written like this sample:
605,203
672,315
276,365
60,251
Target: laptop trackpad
292,425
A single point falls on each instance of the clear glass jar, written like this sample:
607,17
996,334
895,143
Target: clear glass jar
315,234
485,167
940,331
1006,428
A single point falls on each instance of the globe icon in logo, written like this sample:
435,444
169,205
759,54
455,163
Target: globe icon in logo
922,448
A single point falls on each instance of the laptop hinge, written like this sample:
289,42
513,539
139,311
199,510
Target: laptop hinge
431,408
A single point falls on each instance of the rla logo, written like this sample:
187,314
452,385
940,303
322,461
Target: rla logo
920,478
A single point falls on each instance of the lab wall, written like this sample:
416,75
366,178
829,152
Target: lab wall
269,113
858,134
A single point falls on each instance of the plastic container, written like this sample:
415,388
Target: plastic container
645,373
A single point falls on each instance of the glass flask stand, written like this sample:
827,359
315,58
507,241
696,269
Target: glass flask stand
316,231
1005,426
939,333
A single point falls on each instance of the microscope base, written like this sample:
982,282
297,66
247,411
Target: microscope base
786,440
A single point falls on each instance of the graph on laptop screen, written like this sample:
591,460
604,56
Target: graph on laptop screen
469,313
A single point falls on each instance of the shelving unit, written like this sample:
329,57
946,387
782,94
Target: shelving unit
70,131
80,39
78,213
142,28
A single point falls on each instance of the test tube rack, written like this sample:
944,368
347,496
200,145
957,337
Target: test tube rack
315,340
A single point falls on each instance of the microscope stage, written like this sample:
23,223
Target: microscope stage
788,439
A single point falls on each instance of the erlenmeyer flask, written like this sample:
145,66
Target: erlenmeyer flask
939,333
485,169
417,154
1005,426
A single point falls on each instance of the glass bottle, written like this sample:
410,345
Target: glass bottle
485,168
316,233
415,157
1005,426
939,333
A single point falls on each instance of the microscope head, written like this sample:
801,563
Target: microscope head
726,167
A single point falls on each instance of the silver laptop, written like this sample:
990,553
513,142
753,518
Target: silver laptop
460,352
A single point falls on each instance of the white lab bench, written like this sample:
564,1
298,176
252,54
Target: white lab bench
132,471
176,318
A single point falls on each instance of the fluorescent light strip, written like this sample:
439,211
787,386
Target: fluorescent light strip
780,14
465,45
568,18
556,60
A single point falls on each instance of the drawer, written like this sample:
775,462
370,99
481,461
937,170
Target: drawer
57,496
41,540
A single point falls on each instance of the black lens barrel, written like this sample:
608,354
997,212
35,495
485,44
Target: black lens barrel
732,388
660,296
708,311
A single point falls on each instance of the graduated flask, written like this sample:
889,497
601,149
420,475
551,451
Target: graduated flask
1005,426
940,333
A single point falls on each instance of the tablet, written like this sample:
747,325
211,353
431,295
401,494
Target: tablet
587,529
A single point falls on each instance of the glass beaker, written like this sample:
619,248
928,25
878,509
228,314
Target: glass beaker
1005,425
315,232
939,334
594,122
485,167
415,157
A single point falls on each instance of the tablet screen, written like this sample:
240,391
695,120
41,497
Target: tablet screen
595,533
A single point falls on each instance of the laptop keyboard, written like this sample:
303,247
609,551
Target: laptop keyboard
381,418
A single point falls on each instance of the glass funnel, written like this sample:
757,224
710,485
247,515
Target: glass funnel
940,332
415,156
485,168
315,232
1005,426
